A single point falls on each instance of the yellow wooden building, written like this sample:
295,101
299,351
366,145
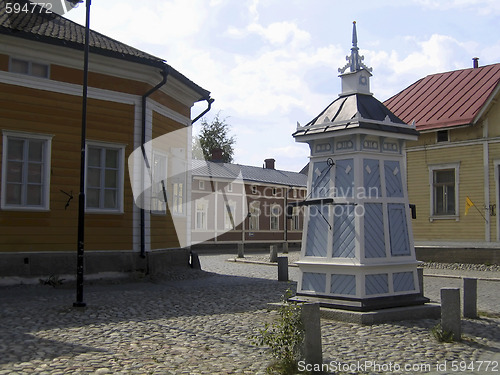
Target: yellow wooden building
456,161
133,97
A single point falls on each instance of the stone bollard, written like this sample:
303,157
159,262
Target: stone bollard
450,312
282,268
420,274
470,298
241,250
273,256
312,350
285,247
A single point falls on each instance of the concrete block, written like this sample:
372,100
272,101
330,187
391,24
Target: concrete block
450,312
310,315
282,268
273,255
470,298
241,250
420,275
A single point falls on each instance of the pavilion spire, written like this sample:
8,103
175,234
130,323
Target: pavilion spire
354,61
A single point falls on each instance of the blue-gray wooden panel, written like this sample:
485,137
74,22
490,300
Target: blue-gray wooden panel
313,281
317,231
393,183
344,178
320,186
403,281
398,230
371,177
374,231
344,232
343,284
376,284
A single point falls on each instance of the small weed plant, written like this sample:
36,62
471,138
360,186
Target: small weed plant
284,337
440,334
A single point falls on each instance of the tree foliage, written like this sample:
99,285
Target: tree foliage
214,135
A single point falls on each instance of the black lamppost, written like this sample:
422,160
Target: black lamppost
81,197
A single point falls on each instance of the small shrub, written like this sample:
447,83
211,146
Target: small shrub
440,334
284,337
53,281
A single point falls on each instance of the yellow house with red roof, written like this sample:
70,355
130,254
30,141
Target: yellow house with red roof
456,158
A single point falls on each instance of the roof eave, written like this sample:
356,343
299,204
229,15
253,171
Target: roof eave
487,104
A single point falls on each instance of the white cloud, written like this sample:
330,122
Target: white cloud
482,7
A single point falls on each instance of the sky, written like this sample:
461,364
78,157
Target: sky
272,63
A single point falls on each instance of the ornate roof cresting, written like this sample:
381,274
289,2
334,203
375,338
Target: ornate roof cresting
355,61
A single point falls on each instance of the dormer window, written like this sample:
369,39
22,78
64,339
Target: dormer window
443,136
30,68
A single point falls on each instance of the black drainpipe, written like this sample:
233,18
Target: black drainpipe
164,73
209,101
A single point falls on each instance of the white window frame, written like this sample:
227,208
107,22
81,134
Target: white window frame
254,189
178,177
296,218
230,187
30,67
45,206
121,172
227,221
155,200
438,167
274,219
203,211
201,185
254,210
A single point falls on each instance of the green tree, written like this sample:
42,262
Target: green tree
214,135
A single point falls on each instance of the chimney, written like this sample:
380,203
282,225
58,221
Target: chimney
269,163
216,155
475,63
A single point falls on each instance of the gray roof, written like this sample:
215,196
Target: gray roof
52,28
355,111
203,168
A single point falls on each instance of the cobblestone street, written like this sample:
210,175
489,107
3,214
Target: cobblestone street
201,323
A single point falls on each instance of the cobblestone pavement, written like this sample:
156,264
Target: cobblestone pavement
201,323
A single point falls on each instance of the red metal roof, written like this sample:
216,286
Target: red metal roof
446,99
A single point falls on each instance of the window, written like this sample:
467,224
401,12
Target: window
443,136
229,187
229,212
25,171
275,216
201,185
201,214
178,185
296,218
254,210
158,188
274,191
294,193
104,182
254,189
444,193
29,68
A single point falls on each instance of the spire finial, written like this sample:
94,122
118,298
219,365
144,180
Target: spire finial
354,35
355,61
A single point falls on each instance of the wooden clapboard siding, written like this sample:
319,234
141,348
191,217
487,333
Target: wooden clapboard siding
470,227
494,156
106,82
163,234
4,62
38,111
